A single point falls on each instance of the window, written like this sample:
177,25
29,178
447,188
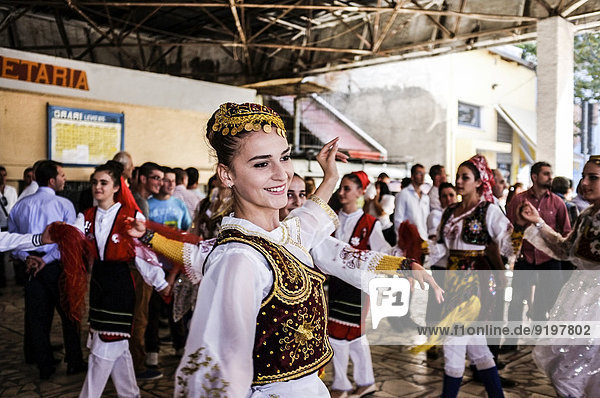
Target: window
469,115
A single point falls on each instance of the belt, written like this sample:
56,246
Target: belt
467,253
37,253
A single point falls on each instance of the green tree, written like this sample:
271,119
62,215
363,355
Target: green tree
586,48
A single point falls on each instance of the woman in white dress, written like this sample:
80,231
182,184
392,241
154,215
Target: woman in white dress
474,232
259,326
573,369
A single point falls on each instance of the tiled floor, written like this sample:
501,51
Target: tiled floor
398,373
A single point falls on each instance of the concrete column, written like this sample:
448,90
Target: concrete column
555,94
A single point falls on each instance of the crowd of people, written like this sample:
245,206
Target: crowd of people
246,304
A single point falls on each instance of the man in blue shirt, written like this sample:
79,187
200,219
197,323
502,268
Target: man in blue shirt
168,210
31,215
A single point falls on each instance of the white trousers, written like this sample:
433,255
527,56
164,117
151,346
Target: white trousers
457,348
358,350
109,359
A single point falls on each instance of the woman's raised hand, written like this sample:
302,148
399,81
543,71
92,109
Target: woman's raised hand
326,159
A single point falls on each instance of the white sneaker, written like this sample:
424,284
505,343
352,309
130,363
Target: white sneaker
152,359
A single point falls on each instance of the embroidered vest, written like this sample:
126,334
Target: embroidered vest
112,290
113,250
291,326
346,310
474,229
588,246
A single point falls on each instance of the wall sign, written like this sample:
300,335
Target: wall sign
41,73
80,137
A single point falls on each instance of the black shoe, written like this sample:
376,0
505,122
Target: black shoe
46,372
75,368
507,383
433,353
149,374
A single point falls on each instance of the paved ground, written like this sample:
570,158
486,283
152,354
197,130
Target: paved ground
398,373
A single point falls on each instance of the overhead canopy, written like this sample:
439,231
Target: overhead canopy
240,42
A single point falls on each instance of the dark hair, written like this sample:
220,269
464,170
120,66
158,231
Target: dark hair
383,189
45,171
212,182
560,185
435,171
413,169
354,178
193,176
445,185
148,168
180,175
471,167
537,167
225,146
475,172
406,181
114,169
26,171
167,169
2,168
512,191
381,176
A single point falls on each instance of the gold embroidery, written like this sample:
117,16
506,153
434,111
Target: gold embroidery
214,386
327,209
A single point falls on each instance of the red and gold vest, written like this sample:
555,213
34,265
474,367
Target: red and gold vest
114,249
291,326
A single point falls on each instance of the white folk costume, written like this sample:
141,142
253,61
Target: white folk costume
220,357
468,297
573,369
112,299
348,305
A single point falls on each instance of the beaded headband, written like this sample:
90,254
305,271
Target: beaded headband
232,118
595,159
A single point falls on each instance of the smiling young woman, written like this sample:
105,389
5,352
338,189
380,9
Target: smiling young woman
573,369
260,327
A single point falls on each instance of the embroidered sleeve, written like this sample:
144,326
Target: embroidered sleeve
353,266
549,241
316,222
328,210
171,249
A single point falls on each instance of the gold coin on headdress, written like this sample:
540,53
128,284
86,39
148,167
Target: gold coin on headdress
225,131
248,127
215,127
256,127
233,132
267,128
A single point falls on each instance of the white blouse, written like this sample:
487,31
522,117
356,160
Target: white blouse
103,223
236,279
498,227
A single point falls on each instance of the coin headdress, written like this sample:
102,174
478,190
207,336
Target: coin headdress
233,118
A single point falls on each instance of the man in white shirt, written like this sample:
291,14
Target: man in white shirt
438,175
412,204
